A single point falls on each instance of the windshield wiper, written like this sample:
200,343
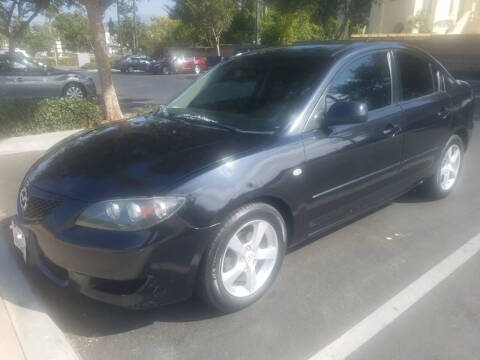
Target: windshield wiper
207,121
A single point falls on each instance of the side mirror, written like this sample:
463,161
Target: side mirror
346,113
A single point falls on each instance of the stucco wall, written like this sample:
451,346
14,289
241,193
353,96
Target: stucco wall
394,12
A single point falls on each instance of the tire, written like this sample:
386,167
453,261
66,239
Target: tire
75,91
166,70
197,69
253,275
130,69
444,181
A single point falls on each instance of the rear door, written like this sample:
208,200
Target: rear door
351,167
427,113
7,78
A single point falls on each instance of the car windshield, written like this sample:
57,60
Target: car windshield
260,92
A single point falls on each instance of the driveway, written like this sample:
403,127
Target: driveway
327,289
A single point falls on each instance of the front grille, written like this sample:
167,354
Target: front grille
38,208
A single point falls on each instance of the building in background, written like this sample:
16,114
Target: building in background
436,16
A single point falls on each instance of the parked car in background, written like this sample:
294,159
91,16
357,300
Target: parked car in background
215,60
131,63
179,64
22,77
264,152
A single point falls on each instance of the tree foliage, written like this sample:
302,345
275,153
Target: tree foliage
285,29
242,29
38,38
74,31
349,14
162,32
17,15
211,18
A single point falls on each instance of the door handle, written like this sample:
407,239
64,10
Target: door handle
443,113
391,130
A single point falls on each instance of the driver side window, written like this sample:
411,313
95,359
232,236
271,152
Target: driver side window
365,80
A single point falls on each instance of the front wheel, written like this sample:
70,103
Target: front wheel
75,91
244,258
448,169
197,69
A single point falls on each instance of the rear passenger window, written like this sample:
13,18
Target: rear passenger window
415,75
366,80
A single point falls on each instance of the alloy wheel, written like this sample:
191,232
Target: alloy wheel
74,92
249,258
197,69
450,167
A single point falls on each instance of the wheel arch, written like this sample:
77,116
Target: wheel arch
463,134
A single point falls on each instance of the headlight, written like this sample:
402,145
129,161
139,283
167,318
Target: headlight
130,214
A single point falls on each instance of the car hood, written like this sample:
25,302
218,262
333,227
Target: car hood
144,156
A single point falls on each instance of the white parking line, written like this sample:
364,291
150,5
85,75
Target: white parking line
388,312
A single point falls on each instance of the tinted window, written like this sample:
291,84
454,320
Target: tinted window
260,92
416,76
366,80
14,65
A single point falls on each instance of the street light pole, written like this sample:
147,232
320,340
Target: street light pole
134,26
118,28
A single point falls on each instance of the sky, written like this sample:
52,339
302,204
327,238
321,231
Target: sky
146,9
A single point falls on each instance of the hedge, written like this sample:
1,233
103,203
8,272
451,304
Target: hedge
32,116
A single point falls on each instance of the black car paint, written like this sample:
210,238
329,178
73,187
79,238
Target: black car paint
345,171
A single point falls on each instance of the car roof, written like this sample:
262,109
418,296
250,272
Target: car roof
329,48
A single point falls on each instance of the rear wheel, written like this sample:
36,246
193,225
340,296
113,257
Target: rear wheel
197,69
244,258
448,169
166,70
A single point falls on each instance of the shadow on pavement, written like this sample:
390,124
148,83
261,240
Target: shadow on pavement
76,314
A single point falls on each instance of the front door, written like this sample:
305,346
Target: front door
351,167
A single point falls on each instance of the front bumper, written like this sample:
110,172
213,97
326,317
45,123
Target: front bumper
140,269
90,88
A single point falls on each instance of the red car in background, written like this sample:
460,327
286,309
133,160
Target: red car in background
179,64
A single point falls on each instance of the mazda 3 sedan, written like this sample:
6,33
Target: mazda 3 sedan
269,149
22,77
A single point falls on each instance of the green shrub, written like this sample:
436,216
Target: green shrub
33,116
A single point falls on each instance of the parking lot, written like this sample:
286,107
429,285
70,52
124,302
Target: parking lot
325,289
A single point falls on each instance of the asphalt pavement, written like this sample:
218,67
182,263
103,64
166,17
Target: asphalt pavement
325,288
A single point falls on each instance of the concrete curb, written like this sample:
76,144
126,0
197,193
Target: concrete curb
38,335
40,142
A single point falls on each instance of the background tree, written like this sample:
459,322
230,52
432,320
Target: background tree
96,12
17,15
161,32
211,18
338,18
38,38
285,29
74,31
126,30
242,29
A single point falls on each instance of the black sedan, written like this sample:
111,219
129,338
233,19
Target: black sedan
267,150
